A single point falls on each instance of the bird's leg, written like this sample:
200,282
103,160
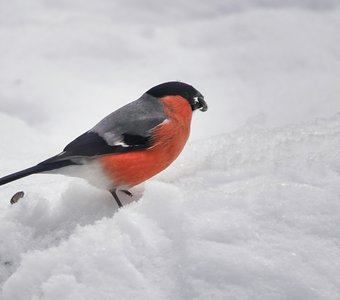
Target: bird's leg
126,192
114,194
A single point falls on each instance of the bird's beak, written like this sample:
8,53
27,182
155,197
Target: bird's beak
200,103
203,104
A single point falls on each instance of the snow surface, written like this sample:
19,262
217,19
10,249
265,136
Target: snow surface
251,208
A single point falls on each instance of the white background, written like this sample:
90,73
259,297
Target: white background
251,208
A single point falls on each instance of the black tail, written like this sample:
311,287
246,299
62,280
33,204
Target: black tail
42,167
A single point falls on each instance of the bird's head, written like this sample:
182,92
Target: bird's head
177,88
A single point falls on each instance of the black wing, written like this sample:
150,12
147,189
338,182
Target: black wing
91,144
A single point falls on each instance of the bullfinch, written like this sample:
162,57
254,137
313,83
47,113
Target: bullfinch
130,145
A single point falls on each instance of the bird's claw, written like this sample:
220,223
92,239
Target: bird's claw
126,192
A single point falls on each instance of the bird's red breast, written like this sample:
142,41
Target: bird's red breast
169,138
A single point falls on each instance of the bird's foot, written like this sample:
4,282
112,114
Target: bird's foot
126,192
115,196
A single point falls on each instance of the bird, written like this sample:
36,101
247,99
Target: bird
130,145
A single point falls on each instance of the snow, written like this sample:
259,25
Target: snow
250,210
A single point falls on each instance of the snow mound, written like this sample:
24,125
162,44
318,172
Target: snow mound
253,214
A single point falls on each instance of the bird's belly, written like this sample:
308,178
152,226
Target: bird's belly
133,168
91,171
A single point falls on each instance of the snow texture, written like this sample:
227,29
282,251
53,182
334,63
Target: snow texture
250,210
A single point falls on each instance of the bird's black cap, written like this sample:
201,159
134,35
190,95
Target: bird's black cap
177,88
